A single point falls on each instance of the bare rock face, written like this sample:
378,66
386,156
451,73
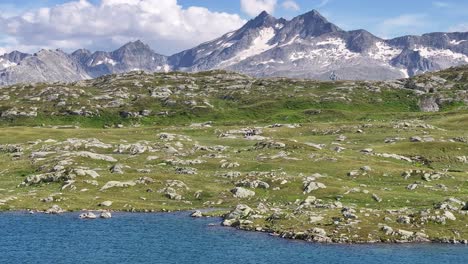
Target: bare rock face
428,104
44,66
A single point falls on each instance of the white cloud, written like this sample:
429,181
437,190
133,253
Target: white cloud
163,24
291,5
405,20
323,3
2,51
440,4
255,7
403,24
463,27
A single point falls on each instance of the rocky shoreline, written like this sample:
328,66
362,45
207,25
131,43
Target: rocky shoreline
233,220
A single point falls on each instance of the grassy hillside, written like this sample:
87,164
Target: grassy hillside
323,161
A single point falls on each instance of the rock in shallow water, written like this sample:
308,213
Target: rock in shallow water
106,215
87,215
55,209
197,214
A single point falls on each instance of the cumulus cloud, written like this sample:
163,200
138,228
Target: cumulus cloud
255,7
163,24
291,5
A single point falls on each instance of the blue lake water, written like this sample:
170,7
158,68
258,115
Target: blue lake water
177,238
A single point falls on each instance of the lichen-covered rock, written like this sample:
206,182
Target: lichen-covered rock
106,203
310,184
117,184
240,192
55,209
241,211
59,176
91,155
117,169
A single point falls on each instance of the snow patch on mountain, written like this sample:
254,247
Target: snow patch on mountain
457,42
384,52
6,63
165,68
227,45
258,46
331,49
428,53
292,41
279,26
405,73
272,61
332,41
107,61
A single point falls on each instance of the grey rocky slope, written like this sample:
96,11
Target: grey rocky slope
308,46
56,65
44,66
132,56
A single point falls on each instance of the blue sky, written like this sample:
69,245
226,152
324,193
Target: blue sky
383,18
432,16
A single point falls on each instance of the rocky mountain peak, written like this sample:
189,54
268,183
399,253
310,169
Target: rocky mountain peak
314,24
81,52
134,45
262,20
15,56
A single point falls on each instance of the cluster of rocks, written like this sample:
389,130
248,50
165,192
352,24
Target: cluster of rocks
91,215
424,175
310,184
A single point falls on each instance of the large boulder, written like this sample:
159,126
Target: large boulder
238,216
106,215
241,211
197,214
91,155
55,209
310,184
117,184
106,204
428,104
117,169
88,215
240,192
171,193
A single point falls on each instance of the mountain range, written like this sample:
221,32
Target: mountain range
307,46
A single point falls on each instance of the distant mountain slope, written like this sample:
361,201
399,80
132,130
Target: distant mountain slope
44,66
130,57
308,46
